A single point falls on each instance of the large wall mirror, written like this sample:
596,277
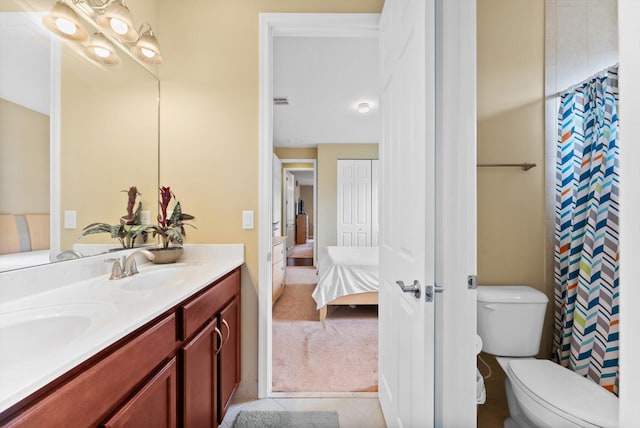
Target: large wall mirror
74,134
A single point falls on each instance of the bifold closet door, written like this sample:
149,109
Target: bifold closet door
354,203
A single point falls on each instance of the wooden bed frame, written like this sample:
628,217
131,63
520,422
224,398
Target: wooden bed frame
369,298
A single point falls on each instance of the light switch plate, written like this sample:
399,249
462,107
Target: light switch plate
69,219
145,217
247,219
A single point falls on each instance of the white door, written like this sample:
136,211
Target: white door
406,241
375,204
354,203
276,206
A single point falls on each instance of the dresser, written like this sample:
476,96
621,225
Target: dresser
278,260
302,228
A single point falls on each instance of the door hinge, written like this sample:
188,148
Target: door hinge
472,282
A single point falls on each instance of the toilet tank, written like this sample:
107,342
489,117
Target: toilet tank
510,319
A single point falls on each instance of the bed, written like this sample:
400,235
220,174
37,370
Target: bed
347,276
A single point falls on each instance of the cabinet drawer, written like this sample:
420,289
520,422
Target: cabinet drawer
277,253
202,308
85,400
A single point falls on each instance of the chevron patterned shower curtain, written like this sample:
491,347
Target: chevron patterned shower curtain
586,231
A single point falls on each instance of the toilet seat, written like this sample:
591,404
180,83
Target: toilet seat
564,392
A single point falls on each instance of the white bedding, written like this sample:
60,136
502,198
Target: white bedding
346,270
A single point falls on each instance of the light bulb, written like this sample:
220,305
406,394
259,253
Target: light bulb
118,26
148,52
66,26
101,52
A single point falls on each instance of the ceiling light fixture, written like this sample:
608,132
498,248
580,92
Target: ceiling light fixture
65,22
147,47
102,50
114,18
364,108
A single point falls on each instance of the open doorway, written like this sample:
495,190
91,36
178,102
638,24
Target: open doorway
300,208
319,86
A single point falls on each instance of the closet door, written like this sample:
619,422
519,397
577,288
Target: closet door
354,203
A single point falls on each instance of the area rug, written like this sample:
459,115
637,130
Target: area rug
338,355
282,419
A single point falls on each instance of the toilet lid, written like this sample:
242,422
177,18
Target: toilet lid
567,391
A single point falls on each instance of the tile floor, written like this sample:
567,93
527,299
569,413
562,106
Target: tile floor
358,412
365,412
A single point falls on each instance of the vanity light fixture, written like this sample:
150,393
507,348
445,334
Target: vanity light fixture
114,18
65,22
118,22
101,50
147,47
364,108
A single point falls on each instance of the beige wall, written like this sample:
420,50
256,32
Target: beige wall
209,123
328,155
24,160
511,213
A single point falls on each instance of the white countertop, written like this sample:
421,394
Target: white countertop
82,312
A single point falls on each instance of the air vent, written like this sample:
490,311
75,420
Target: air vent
281,101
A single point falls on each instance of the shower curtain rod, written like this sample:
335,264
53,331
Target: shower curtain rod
577,85
525,166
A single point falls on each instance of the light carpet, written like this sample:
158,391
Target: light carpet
339,355
303,250
282,419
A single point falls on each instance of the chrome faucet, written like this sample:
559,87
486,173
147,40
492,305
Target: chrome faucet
128,266
69,254
129,263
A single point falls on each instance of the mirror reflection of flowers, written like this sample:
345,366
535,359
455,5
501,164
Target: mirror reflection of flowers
130,226
170,228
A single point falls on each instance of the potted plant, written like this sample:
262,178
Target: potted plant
170,228
130,226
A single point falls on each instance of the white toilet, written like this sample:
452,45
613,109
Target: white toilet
540,393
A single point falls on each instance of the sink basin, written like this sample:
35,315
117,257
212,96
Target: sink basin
32,332
156,277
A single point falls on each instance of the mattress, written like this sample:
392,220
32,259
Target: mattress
345,270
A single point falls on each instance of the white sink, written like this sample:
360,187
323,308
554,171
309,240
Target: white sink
146,280
43,330
156,276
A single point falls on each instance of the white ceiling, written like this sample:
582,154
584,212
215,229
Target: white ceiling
304,178
324,79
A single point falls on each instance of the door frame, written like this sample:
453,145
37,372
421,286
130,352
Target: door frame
285,24
455,362
314,162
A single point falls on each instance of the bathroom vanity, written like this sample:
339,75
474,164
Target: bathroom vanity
158,349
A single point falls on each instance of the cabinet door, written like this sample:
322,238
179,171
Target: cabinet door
199,375
229,354
153,406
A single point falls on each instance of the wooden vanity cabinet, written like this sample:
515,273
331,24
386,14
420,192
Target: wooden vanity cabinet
159,394
229,357
179,370
200,378
211,353
90,396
